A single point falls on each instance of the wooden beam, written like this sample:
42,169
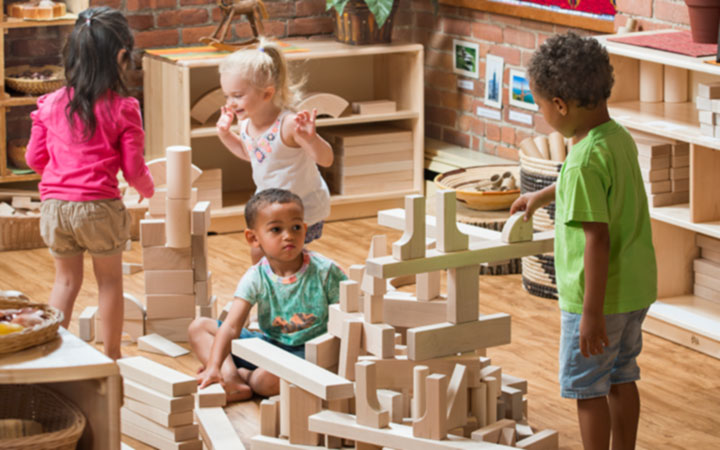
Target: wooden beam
168,404
211,396
216,430
161,378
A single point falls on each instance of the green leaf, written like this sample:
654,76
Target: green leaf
380,9
339,5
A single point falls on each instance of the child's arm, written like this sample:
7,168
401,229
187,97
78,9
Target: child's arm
593,335
132,144
229,330
531,201
305,135
36,155
227,137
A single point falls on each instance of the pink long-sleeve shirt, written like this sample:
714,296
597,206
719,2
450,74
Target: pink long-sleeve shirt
73,169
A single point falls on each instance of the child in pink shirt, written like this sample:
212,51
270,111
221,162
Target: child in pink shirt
82,135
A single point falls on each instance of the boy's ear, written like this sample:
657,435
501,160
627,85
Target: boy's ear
251,238
560,105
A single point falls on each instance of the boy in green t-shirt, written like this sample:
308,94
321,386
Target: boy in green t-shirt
291,286
604,256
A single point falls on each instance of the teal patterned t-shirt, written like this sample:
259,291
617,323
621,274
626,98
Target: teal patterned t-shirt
294,309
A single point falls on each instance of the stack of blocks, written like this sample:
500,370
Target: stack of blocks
158,405
432,382
708,106
664,166
707,269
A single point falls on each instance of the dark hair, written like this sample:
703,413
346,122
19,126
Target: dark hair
572,68
91,66
268,197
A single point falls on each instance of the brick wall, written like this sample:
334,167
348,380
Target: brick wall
449,110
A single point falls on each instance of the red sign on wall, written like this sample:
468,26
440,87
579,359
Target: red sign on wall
600,7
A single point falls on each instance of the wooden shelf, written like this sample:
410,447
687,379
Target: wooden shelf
11,22
11,100
679,216
18,178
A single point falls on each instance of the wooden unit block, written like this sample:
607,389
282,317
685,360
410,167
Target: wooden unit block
557,146
323,351
209,186
373,306
528,147
355,272
649,176
679,173
260,442
284,408
443,339
336,317
708,90
158,415
707,130
419,400
508,437
495,372
523,431
543,440
652,148
349,296
392,402
462,292
216,430
167,258
433,423
680,161
209,311
161,378
651,82
157,206
302,404
155,343
707,117
655,162
131,268
427,286
203,291
350,346
177,222
177,434
378,339
457,398
706,293
367,407
174,329
409,313
675,86
513,399
86,323
680,185
207,105
710,255
449,238
169,282
178,172
304,374
152,232
668,198
199,244
397,373
478,404
201,218
133,309
493,387
707,267
412,243
211,396
269,417
517,229
374,107
325,103
514,382
658,187
170,306
168,404
157,441
543,145
703,104
491,433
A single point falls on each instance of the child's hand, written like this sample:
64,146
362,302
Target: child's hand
305,126
593,336
526,202
227,117
209,376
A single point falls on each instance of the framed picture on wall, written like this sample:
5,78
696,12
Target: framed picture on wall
519,87
465,58
493,80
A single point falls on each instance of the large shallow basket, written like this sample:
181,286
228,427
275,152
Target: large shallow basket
463,181
538,271
34,87
29,337
20,232
62,422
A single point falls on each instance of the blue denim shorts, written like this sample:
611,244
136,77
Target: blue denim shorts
314,231
297,350
583,378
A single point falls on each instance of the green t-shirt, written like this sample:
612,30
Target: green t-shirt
294,309
601,182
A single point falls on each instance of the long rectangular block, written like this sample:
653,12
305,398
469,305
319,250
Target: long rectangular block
158,415
397,373
203,291
408,312
169,306
201,218
166,258
217,431
150,438
154,343
211,396
654,175
177,434
169,282
199,244
166,403
174,329
152,232
86,323
156,376
707,267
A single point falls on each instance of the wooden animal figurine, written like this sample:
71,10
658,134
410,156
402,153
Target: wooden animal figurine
254,11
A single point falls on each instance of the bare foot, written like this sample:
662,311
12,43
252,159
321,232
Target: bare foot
240,393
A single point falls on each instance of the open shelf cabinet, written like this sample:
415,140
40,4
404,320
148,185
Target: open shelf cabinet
677,315
392,71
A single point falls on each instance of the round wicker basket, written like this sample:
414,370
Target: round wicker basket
34,87
538,271
16,153
29,337
464,180
62,422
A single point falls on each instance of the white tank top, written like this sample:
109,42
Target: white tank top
276,165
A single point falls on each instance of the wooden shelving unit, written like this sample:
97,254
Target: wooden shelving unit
677,315
392,71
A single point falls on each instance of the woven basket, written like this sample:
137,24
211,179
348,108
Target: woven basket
20,232
538,272
29,337
34,87
16,153
464,180
62,422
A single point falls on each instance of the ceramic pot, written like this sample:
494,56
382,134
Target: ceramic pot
704,20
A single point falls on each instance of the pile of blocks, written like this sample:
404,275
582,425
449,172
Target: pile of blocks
708,106
665,169
707,268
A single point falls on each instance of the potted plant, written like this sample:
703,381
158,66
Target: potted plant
360,22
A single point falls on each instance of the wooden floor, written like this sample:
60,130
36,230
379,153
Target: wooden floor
680,389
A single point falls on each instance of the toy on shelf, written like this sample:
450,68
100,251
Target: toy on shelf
253,10
429,386
325,103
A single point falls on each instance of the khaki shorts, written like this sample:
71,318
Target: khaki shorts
100,226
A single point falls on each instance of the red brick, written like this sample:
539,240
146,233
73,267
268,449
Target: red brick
402,35
156,38
488,147
182,17
507,20
521,135
440,41
433,131
194,2
450,99
487,32
277,10
425,20
456,26
466,103
650,25
455,137
510,55
525,57
672,12
478,127
508,135
306,26
243,30
402,19
464,123
635,7
422,5
492,131
520,38
35,47
440,79
441,116
116,4
140,22
473,14
438,59
534,25
134,5
432,96
475,143
446,10
507,153
193,35
275,28
541,38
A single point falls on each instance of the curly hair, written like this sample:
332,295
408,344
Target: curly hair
268,197
572,68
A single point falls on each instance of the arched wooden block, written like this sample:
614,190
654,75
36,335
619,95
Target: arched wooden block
158,170
325,103
367,406
449,238
134,310
207,105
412,243
516,229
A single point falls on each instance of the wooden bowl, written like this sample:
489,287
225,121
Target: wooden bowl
16,153
464,181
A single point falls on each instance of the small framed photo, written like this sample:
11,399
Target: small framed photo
520,94
493,80
465,58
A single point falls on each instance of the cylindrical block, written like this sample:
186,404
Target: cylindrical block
177,222
179,160
541,142
557,146
651,82
529,148
420,374
676,86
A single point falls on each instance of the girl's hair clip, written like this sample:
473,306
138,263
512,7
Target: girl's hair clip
261,49
87,21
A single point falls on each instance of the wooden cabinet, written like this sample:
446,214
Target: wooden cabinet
678,315
356,73
10,100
